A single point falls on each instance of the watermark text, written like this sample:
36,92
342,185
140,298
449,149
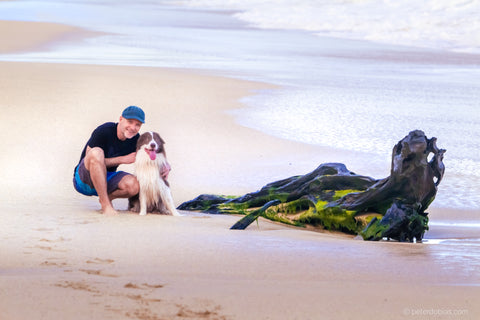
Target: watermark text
435,312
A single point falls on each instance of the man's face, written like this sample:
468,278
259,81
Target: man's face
128,128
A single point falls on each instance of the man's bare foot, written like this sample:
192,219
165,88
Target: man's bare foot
109,211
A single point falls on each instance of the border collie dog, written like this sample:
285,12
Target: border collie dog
154,195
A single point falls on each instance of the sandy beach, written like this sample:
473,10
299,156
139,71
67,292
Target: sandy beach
61,259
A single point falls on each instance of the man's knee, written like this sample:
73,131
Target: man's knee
129,183
94,156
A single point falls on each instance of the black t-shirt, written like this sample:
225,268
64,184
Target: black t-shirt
105,137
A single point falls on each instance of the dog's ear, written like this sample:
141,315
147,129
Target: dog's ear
157,137
141,140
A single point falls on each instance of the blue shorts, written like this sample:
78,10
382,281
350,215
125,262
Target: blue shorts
83,183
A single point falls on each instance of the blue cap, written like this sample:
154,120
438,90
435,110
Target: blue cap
134,112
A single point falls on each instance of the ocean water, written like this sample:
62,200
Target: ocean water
355,75
450,25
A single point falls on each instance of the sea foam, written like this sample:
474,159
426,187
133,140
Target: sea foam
450,25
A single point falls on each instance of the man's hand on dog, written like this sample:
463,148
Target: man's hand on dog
165,171
129,158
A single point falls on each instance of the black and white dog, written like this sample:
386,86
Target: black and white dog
154,195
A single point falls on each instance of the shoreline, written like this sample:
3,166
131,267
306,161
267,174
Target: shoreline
66,261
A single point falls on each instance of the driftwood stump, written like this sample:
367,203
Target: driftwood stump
333,198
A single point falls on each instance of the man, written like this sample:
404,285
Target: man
109,146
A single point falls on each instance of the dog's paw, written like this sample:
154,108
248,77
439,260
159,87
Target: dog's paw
142,213
175,213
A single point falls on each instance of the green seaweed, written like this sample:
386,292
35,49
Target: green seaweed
341,193
295,206
233,208
273,214
331,218
374,230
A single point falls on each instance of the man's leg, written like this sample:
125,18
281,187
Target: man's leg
127,187
95,164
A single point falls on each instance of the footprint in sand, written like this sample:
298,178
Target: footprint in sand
185,312
78,285
44,248
43,229
143,286
47,248
53,264
100,261
61,239
99,273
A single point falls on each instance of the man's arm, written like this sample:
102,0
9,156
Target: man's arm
112,162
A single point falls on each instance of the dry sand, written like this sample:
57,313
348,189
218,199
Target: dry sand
61,259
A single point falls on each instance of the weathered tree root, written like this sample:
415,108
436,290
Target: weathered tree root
334,198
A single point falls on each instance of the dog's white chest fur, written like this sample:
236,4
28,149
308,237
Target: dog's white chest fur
148,176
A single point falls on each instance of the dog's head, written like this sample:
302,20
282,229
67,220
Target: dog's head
151,143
